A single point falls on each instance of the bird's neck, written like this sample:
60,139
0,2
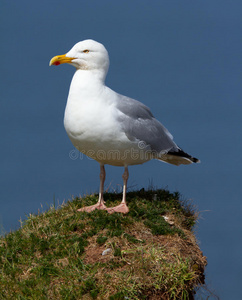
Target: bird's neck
86,82
88,78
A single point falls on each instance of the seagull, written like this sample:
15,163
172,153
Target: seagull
108,127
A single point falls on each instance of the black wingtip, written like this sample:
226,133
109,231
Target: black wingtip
195,160
179,152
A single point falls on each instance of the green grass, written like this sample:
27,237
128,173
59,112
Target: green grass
58,254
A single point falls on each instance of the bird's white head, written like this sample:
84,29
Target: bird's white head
85,55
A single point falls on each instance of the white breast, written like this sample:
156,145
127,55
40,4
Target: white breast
91,122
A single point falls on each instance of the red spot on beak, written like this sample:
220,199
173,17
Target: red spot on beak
57,63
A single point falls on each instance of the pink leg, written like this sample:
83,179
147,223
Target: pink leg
122,207
100,204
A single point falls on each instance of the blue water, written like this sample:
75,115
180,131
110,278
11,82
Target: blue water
181,59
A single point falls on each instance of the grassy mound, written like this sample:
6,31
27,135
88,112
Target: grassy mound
150,253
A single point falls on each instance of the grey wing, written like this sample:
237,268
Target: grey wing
139,124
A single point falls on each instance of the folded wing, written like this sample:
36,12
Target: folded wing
139,125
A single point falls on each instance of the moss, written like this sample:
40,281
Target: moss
101,240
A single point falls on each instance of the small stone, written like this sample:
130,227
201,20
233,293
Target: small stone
105,252
167,219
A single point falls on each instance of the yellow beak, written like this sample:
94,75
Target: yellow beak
60,59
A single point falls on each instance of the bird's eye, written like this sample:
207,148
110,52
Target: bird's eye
85,51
